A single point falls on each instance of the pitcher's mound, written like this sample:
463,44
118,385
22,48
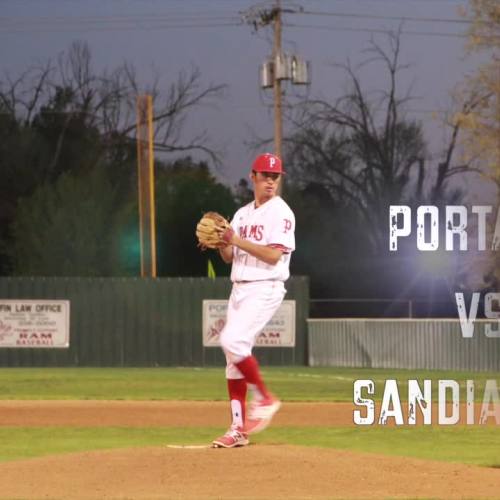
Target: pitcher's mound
254,472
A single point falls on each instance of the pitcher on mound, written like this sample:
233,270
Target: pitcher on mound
260,250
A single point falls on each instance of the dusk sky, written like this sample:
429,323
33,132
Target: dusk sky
172,35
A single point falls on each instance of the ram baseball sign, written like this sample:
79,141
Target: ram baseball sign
279,331
34,323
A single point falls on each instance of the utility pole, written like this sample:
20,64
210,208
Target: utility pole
145,163
278,116
278,67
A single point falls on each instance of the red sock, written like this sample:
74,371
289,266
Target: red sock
250,368
237,396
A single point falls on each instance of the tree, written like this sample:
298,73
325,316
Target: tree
77,226
63,229
365,150
323,225
108,100
22,159
481,123
351,157
184,191
362,149
67,118
243,193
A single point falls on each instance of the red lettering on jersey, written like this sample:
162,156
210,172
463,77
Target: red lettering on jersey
255,232
288,225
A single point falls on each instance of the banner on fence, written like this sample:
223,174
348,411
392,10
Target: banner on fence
34,323
279,331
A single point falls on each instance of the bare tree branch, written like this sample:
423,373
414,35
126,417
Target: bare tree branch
108,101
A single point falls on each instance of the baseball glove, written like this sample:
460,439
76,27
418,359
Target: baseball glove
213,231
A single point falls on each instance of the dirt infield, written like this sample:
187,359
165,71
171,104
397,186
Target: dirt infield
176,414
256,472
158,414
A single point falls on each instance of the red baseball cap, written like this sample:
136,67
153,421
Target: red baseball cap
267,163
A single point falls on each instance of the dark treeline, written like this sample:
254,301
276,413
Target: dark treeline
68,182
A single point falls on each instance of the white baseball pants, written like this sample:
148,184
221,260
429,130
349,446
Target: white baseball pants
251,306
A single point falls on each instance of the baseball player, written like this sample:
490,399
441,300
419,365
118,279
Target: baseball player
261,240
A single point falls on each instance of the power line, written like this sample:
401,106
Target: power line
211,16
378,30
185,17
388,18
205,19
163,27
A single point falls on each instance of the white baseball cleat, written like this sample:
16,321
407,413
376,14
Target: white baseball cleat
232,438
260,415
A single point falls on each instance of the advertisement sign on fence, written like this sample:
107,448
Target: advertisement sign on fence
34,323
279,331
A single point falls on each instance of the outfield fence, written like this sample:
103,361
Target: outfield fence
141,322
412,344
158,322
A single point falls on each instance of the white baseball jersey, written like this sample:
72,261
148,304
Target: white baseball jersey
272,224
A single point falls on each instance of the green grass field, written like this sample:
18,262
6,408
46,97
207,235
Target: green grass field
472,445
469,445
208,384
